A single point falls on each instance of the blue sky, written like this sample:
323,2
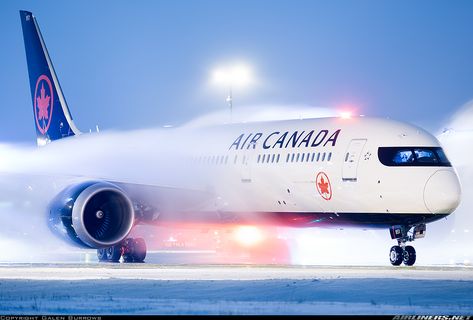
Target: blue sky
139,64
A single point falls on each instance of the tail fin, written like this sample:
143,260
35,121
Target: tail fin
53,120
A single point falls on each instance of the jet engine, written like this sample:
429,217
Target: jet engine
92,214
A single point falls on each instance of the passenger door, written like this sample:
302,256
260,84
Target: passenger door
248,157
351,160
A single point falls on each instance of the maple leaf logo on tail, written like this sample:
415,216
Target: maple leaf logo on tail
43,104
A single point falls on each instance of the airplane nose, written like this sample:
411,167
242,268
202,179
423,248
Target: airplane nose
442,192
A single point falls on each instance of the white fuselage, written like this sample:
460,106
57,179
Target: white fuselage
253,171
276,168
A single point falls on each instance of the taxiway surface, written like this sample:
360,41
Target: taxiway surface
95,288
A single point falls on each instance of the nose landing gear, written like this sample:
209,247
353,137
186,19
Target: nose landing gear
395,255
409,256
403,253
132,250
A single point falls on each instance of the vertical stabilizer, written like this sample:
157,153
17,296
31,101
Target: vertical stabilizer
52,118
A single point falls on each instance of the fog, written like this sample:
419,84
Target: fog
29,178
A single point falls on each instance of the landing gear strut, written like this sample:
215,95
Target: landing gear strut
132,250
403,253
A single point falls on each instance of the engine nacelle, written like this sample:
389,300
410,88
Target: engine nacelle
92,214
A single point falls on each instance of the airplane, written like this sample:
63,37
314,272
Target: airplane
323,172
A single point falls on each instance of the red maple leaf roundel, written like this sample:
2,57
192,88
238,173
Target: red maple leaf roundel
43,103
323,186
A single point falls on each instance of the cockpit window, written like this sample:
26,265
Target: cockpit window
403,157
413,156
425,156
441,155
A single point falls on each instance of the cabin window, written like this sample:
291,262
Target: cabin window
329,156
318,157
323,156
413,156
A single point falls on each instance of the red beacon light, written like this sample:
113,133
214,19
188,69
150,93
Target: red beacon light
345,115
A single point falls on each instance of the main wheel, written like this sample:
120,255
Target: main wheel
139,253
114,253
396,255
102,254
128,249
409,256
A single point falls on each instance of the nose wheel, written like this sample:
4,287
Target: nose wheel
406,255
405,233
395,255
409,256
132,250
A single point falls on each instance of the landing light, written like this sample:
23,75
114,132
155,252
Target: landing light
248,235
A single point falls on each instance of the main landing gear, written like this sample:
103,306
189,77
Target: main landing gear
403,253
132,250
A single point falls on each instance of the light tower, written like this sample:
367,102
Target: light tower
236,76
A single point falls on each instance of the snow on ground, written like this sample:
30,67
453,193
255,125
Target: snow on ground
151,289
97,271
